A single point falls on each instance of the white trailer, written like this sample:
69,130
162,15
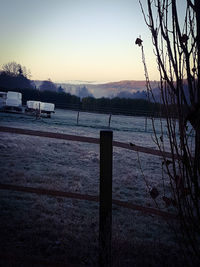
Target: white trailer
47,106
37,108
33,105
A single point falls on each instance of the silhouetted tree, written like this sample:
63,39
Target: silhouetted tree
13,76
60,89
83,92
15,69
176,40
48,85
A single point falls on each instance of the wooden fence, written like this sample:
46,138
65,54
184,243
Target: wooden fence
105,198
85,139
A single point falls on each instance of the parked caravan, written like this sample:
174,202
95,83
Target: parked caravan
11,102
13,99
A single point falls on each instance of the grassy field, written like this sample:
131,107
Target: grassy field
48,230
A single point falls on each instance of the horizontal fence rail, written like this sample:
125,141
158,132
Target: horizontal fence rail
55,193
85,139
16,260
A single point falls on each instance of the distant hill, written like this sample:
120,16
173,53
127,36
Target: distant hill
127,89
128,85
121,88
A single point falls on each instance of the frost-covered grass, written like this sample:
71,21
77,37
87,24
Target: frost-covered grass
61,229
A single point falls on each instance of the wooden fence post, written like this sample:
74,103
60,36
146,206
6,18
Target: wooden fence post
105,209
109,120
146,123
77,119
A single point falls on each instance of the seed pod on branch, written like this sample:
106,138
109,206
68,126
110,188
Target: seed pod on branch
154,193
138,42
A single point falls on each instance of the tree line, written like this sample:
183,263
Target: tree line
102,105
15,77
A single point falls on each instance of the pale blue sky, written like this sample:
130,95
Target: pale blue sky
76,39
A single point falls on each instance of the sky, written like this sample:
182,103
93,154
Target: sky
88,40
